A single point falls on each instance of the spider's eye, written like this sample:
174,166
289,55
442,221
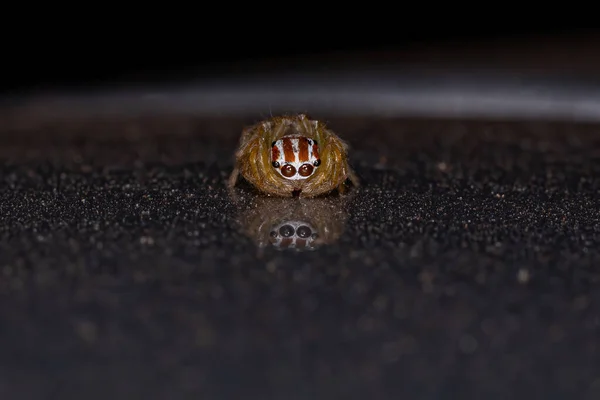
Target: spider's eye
304,231
286,230
305,170
288,170
317,163
273,144
275,164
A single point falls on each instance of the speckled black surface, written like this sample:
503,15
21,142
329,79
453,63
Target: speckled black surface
466,266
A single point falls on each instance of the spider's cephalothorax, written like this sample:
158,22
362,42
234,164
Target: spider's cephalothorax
292,155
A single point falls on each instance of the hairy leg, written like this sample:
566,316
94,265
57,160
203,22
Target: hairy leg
353,177
233,178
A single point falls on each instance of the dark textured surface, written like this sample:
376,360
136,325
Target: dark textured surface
464,267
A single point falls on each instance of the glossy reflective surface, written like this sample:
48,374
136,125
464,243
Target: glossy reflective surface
292,224
466,266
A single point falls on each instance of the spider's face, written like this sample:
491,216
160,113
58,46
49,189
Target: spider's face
297,235
295,157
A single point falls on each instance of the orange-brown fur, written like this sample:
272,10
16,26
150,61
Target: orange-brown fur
252,160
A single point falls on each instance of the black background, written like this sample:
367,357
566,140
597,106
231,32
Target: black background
75,59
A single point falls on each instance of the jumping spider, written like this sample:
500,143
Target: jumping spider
291,156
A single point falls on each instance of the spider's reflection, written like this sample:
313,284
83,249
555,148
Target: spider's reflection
293,224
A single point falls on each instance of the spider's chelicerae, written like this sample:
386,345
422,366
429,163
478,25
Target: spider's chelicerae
291,156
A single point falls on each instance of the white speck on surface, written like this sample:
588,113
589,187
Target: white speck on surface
523,276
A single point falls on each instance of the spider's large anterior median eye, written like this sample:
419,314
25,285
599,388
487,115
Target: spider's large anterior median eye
286,230
288,170
305,170
304,231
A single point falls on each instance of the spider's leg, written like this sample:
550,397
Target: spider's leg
233,178
350,175
353,177
342,188
231,185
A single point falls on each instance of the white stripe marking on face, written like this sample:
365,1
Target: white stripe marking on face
296,149
296,163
